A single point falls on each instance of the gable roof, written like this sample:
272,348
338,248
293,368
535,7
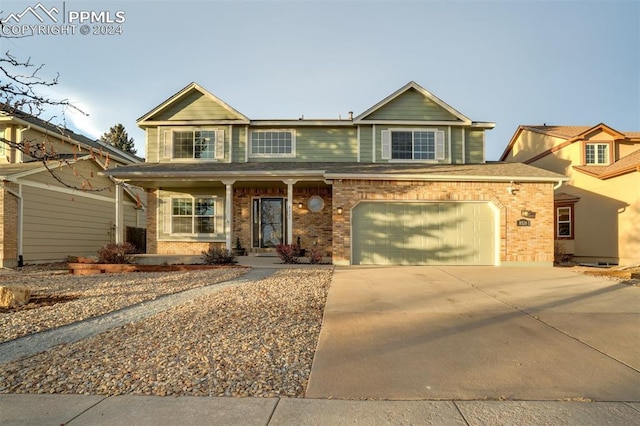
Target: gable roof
627,164
412,85
181,94
68,135
569,133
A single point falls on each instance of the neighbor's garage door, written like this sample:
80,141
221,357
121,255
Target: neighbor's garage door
407,233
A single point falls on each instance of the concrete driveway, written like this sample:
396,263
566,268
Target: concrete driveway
477,332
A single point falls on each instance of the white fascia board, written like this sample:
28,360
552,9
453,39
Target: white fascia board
483,124
192,123
258,175
443,178
297,123
415,123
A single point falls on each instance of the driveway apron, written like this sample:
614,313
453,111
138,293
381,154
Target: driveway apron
477,333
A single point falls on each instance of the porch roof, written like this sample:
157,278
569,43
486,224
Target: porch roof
273,171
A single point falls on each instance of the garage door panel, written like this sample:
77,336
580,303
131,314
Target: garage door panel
410,233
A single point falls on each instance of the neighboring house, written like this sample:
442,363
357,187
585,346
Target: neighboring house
43,219
405,182
597,217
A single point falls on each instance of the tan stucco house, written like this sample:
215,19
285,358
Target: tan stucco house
47,216
404,182
597,214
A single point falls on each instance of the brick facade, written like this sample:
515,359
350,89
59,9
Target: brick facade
9,226
312,228
517,244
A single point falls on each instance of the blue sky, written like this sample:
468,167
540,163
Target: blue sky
510,62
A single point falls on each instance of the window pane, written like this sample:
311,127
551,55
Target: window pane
424,146
401,145
204,206
564,229
204,144
564,214
205,225
182,206
182,144
271,143
602,154
182,225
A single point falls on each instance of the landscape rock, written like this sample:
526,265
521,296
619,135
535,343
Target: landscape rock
14,295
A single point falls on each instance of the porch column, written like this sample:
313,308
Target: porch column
289,209
228,213
119,214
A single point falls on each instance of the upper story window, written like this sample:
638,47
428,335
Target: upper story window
3,146
413,145
597,153
194,144
273,143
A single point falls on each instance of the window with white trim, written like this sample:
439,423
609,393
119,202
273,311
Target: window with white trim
194,144
193,215
564,222
413,144
272,143
597,153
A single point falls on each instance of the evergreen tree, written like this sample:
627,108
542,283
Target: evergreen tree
117,136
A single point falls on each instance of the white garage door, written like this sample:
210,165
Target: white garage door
407,233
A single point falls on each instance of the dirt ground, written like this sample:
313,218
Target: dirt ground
628,275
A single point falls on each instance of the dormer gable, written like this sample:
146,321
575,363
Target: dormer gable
192,105
412,103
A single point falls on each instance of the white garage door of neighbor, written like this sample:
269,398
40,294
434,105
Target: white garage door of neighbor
423,233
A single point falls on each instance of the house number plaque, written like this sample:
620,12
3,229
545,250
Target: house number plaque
523,222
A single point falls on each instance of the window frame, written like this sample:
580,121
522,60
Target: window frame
291,154
570,221
439,145
606,161
167,150
214,217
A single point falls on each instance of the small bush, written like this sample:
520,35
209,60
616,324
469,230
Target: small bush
315,255
218,256
289,253
116,253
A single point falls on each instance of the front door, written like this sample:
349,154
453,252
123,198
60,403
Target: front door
268,222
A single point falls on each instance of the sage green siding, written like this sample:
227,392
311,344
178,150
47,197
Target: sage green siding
366,148
457,153
194,106
320,144
239,144
412,105
475,145
152,144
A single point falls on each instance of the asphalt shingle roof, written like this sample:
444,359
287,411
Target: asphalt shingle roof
490,170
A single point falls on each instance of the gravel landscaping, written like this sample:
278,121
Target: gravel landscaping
60,299
257,339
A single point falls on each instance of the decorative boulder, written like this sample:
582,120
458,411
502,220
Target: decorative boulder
14,295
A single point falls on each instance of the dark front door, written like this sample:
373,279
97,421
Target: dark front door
268,222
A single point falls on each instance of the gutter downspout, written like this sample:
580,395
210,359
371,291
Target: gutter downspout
558,185
18,195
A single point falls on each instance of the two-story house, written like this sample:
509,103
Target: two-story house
404,182
61,208
597,214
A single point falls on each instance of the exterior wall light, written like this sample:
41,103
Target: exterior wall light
300,205
528,214
339,209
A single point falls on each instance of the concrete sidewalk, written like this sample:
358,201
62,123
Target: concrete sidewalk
144,410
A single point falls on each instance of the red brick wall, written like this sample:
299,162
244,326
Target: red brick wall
517,244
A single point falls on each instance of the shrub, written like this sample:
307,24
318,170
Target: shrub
116,253
315,255
289,253
218,256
